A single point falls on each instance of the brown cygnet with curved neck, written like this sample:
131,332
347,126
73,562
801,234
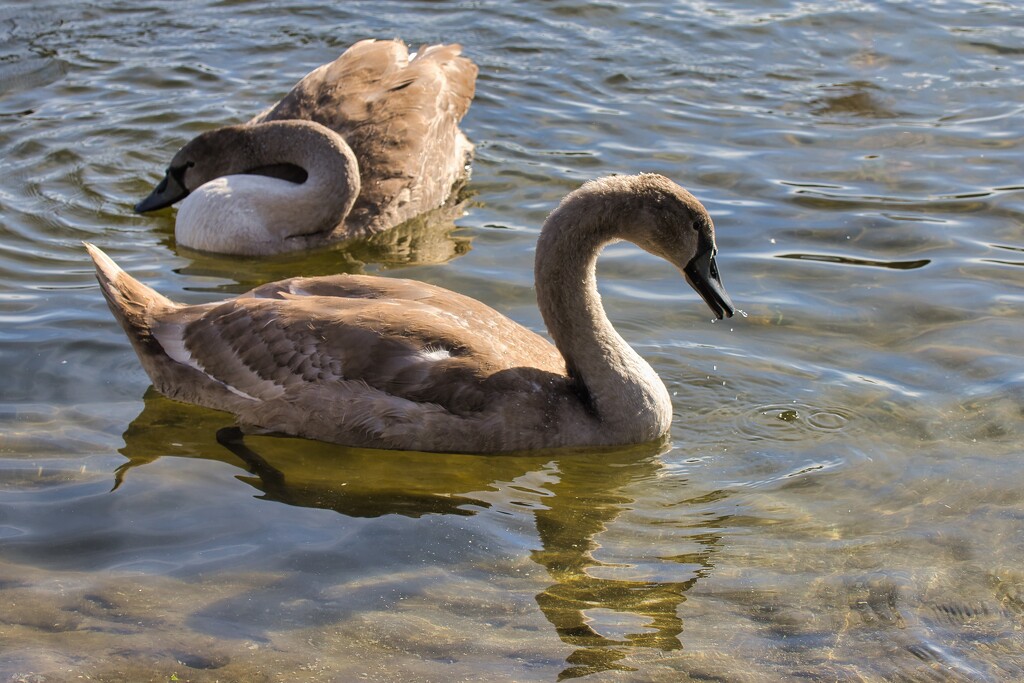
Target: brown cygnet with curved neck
400,364
359,145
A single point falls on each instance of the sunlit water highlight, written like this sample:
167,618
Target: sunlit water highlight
842,496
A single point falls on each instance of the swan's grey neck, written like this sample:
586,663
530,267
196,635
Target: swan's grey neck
331,167
245,210
618,385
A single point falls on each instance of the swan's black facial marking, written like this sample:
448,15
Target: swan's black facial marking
170,190
702,274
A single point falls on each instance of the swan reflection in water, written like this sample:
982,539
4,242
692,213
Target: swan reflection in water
432,238
586,492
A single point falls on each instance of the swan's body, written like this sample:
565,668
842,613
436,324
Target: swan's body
359,145
398,364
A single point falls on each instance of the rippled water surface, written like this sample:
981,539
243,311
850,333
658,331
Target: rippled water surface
842,497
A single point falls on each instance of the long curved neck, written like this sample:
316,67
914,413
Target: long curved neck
319,203
276,186
618,385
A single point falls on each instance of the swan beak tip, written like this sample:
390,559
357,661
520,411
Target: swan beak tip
702,274
169,191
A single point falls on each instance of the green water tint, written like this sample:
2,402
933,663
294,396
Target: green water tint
579,496
841,494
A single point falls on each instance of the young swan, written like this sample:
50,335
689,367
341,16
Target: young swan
399,364
359,145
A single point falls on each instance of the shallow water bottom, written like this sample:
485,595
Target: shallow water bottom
434,626
521,569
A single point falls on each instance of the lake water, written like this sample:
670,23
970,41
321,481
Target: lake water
842,497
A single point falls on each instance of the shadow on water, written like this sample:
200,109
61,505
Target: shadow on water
584,498
849,261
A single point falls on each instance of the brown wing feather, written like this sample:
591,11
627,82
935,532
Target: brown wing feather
404,338
400,118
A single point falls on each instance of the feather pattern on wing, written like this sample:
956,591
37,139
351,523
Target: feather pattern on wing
399,116
408,339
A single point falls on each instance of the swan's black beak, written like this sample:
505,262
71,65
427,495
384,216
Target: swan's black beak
702,274
170,190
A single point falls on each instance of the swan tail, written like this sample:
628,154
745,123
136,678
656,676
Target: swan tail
459,72
132,303
149,317
138,309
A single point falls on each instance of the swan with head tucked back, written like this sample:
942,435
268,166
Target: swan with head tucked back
359,145
399,364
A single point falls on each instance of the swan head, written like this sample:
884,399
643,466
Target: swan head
674,225
207,156
661,218
220,152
